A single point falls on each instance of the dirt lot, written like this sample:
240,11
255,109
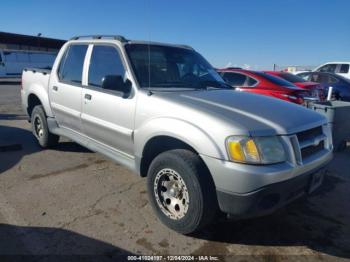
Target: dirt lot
70,201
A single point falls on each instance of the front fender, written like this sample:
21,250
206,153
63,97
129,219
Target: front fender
187,132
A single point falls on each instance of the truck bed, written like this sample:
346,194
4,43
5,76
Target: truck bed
35,76
36,81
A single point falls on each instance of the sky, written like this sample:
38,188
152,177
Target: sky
248,33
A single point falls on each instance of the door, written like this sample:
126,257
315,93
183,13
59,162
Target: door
65,94
10,58
107,117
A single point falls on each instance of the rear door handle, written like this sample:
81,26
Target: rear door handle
55,88
88,96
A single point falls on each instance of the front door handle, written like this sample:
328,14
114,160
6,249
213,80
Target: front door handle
88,96
55,88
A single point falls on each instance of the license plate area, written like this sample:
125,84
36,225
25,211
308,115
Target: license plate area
315,181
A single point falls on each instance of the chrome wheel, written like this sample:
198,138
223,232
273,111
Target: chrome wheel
38,127
171,193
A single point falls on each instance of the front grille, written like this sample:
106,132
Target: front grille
309,143
311,150
309,134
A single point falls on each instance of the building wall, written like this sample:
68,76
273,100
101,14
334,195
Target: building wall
25,47
26,42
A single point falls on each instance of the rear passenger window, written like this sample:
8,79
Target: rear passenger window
234,79
71,67
105,60
344,69
251,82
330,68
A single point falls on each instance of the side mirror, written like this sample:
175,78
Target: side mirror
117,83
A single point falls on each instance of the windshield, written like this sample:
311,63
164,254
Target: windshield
292,78
159,66
274,79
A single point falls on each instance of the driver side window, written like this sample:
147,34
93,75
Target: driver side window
105,60
330,68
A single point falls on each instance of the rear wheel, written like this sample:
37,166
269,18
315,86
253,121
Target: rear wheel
181,191
40,128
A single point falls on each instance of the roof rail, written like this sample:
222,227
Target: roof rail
114,37
186,46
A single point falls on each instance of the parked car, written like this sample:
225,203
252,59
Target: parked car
12,62
341,85
164,112
315,88
298,72
339,68
265,84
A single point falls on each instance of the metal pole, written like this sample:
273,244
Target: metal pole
330,90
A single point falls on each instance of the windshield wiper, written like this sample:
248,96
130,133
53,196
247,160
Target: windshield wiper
213,84
169,84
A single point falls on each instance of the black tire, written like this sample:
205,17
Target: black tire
44,137
202,206
341,146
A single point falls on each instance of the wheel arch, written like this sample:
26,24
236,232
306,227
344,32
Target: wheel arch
161,135
37,95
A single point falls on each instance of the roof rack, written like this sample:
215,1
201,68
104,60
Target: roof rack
186,46
114,37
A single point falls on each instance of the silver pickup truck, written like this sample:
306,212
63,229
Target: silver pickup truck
163,111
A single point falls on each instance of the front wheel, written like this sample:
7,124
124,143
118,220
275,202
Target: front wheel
40,128
181,191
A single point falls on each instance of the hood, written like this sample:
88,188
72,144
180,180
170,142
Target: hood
249,113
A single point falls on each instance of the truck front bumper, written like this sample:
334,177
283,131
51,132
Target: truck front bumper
254,190
269,198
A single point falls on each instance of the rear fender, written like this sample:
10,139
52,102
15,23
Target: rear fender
42,94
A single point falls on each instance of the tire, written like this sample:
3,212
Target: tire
40,128
341,146
200,206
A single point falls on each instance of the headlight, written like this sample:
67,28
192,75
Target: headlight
257,150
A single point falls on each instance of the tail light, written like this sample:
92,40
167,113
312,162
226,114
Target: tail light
295,98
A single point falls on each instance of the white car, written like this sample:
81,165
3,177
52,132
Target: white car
12,62
299,72
340,68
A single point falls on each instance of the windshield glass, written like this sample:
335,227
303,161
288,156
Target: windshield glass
159,66
292,78
274,79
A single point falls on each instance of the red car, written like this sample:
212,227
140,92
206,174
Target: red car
315,88
264,84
